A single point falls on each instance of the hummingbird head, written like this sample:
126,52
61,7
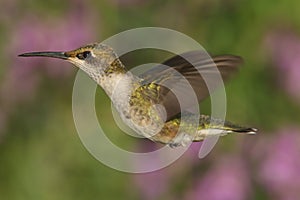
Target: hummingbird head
97,60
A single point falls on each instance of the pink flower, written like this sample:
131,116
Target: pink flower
159,183
154,184
33,35
279,169
284,48
68,32
227,179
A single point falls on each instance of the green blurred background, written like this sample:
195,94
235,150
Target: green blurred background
41,155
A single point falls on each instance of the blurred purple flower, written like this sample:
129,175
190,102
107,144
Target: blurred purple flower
32,34
284,47
19,85
8,10
228,179
157,184
151,185
35,34
279,170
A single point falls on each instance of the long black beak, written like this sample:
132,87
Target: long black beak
60,55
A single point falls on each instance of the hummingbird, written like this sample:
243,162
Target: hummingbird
144,103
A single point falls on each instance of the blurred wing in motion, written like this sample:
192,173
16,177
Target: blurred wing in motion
198,69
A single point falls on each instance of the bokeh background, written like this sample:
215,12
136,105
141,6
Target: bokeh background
41,156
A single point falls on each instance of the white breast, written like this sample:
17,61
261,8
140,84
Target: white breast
119,88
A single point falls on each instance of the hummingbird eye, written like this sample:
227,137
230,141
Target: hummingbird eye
83,55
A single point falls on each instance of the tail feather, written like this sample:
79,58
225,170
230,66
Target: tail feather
211,127
245,130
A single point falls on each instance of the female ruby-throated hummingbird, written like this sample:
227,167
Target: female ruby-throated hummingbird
136,97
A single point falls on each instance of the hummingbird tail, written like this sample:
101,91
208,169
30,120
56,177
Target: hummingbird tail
222,131
250,131
213,127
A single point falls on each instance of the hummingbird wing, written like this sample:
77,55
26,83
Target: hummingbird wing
194,69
